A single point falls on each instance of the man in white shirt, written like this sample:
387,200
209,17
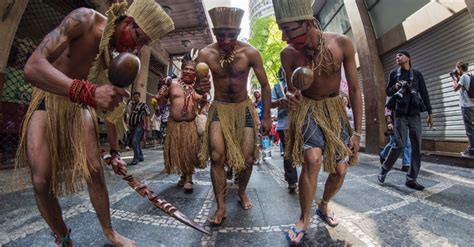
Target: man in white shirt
462,81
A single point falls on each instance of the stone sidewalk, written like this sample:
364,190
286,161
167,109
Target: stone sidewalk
369,214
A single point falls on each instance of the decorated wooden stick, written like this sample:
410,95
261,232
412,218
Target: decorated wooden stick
161,204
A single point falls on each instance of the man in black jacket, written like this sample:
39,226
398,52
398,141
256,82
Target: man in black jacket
408,88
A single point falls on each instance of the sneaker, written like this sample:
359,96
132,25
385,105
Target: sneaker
405,168
382,175
292,188
133,163
141,160
467,154
414,185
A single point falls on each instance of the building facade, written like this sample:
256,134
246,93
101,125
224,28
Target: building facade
209,4
260,8
436,33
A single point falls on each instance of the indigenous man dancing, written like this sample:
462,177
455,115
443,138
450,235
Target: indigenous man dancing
182,140
231,132
59,140
318,124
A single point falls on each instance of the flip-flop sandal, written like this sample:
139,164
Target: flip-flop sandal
297,233
326,218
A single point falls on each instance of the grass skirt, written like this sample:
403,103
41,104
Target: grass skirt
181,147
68,145
232,119
328,114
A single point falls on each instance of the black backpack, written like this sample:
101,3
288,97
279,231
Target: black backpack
470,91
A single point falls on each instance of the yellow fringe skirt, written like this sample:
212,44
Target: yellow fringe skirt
232,119
328,114
181,147
68,145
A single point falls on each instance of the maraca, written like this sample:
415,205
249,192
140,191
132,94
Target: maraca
302,78
202,71
123,69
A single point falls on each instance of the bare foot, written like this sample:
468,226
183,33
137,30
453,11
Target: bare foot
218,217
118,240
244,201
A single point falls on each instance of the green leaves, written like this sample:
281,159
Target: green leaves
266,37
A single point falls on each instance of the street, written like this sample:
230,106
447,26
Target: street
369,214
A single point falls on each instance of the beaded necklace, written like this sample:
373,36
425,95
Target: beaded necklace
188,90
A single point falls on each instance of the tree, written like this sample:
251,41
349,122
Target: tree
266,37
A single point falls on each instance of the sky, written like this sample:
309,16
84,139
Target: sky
245,26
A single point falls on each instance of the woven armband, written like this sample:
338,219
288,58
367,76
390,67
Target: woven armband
82,92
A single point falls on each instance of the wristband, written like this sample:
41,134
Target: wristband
82,92
112,154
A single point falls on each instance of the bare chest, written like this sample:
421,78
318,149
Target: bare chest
77,59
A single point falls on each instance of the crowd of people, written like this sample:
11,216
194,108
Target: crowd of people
317,127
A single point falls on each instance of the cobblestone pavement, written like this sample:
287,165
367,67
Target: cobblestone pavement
369,214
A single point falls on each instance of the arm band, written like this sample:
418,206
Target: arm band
82,92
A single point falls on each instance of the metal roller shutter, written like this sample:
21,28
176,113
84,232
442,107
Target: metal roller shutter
435,54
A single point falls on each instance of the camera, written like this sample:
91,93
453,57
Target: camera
403,88
454,73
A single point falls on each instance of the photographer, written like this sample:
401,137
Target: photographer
462,81
407,88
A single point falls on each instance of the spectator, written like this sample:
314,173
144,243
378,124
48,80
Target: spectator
408,88
278,98
350,115
138,122
462,81
258,104
156,127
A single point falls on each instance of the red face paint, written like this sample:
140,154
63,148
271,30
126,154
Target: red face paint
126,42
188,76
298,42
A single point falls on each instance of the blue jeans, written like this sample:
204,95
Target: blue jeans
406,127
291,174
137,134
468,119
406,150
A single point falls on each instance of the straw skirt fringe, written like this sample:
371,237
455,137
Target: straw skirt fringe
181,147
68,145
232,120
328,113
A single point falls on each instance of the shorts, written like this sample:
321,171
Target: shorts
41,106
313,136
